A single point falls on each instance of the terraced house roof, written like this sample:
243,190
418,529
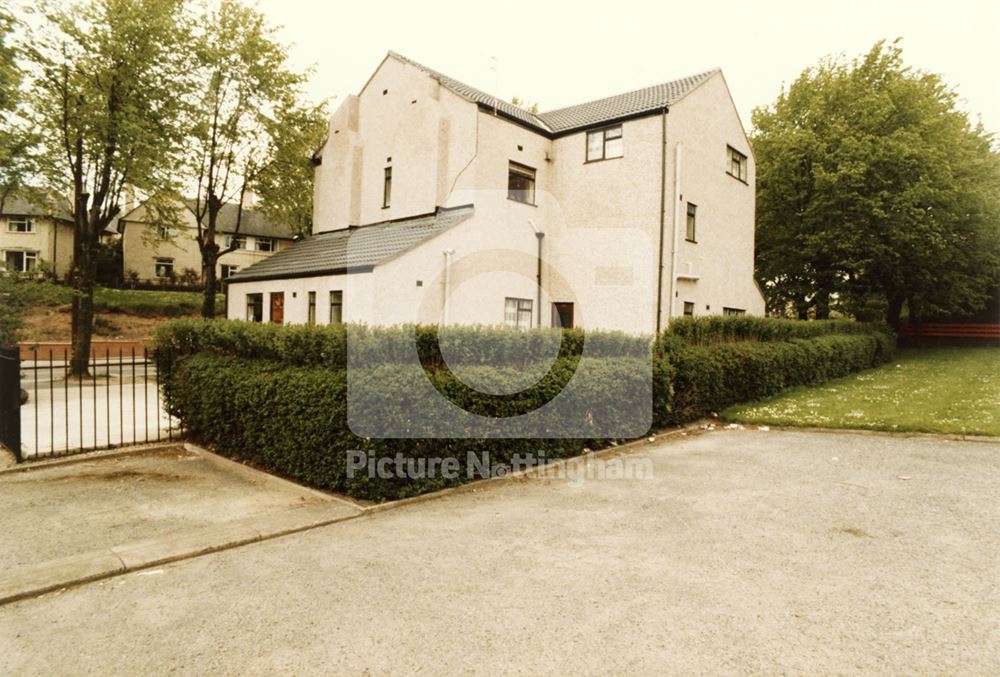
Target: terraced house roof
352,249
580,116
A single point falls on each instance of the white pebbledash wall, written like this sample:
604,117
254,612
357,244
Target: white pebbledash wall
601,219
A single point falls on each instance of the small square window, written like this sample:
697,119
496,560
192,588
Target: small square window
517,313
165,232
521,183
227,270
691,222
737,164
163,267
688,309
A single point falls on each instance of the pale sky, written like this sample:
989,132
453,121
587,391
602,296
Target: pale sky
561,53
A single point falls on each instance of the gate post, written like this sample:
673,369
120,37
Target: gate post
10,400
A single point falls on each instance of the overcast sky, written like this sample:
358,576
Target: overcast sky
561,53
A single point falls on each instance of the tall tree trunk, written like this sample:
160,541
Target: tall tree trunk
823,305
84,276
209,257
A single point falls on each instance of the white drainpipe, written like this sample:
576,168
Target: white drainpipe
675,245
448,253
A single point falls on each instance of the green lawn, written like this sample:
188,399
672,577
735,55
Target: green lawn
944,390
150,303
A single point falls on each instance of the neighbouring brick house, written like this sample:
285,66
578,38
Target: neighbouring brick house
156,253
436,202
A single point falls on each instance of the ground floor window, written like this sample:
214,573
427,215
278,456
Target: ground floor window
255,307
163,267
733,311
228,270
517,313
311,312
688,309
20,261
336,307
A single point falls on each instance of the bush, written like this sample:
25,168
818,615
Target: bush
707,379
727,329
278,395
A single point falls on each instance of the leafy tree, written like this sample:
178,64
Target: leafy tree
874,191
106,94
248,126
16,141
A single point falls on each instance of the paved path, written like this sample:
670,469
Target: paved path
748,552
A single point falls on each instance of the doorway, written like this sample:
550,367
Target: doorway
277,307
562,314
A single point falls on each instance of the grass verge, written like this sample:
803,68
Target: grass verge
940,390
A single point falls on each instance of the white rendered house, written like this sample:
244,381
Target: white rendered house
438,203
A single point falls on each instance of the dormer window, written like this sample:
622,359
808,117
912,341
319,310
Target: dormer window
605,144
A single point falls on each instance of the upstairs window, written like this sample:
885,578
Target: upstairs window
736,164
517,313
264,244
691,223
235,241
605,144
521,183
387,188
21,224
165,232
336,307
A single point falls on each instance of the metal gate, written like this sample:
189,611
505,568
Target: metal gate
119,403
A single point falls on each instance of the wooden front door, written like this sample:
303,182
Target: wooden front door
278,307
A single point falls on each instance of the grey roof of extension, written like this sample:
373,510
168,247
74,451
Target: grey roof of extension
580,116
354,248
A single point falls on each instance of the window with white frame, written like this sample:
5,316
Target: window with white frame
264,244
235,241
255,307
737,164
227,270
165,232
20,261
163,267
20,224
605,144
517,313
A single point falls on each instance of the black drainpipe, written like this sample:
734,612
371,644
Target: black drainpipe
663,219
539,280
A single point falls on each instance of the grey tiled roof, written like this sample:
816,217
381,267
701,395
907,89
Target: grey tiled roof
623,105
356,247
581,115
251,223
54,207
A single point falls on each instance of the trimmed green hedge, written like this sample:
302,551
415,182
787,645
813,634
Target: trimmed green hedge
278,395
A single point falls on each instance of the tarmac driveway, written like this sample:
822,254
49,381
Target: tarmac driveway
747,552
